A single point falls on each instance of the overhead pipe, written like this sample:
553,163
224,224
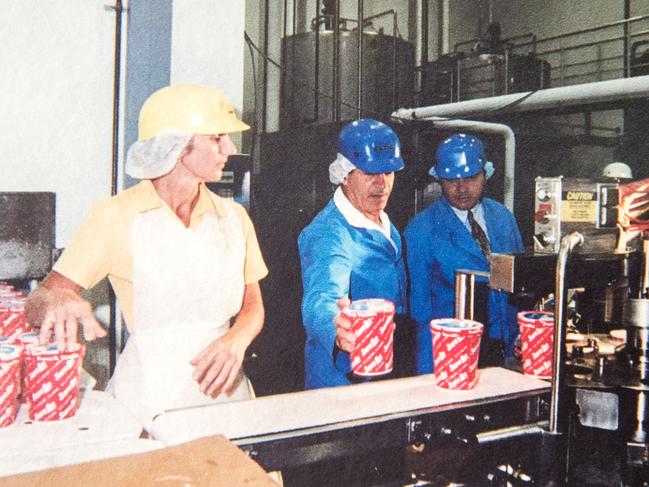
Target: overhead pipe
561,97
488,128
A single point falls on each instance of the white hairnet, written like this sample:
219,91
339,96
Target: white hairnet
339,169
155,157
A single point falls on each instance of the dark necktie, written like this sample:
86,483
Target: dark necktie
478,234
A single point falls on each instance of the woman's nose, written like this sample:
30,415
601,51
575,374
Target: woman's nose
226,145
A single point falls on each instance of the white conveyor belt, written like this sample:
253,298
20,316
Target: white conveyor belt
308,409
101,428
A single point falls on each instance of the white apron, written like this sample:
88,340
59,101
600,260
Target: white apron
187,285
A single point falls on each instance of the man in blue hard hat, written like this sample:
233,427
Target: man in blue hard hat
459,231
350,250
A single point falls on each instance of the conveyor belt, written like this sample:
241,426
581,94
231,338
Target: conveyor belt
331,408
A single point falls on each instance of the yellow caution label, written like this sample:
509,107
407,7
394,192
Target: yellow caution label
579,206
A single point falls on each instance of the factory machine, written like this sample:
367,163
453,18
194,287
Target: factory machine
591,232
588,426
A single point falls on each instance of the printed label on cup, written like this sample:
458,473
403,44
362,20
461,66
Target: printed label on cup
52,381
537,342
9,383
372,323
456,350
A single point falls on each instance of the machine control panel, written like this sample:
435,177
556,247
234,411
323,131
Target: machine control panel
565,205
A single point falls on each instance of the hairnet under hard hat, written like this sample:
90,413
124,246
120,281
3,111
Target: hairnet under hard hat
168,120
339,169
155,157
460,156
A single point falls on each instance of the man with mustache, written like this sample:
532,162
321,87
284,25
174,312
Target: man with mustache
459,231
350,250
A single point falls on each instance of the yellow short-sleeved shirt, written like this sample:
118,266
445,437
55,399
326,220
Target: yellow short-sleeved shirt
100,247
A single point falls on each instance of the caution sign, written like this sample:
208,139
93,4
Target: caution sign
579,206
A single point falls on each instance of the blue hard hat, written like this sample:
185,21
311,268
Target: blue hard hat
371,146
460,156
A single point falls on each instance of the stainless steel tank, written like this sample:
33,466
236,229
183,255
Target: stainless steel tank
308,94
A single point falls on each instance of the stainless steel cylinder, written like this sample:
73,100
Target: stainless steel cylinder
636,321
321,76
637,313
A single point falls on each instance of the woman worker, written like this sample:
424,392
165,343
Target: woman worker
184,263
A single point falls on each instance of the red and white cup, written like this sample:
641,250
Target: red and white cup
12,318
456,350
372,323
29,338
537,342
51,381
9,383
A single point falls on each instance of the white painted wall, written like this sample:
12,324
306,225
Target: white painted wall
56,108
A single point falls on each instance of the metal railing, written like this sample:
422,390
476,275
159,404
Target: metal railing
608,51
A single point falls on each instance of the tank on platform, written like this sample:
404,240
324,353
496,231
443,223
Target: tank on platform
312,70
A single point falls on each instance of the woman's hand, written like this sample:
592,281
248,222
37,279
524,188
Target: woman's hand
218,364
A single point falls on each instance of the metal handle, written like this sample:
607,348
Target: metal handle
465,294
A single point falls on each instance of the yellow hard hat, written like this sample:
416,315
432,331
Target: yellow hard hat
189,109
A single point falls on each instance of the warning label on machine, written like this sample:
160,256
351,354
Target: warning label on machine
579,206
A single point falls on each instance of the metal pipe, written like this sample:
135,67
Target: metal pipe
113,320
394,60
490,128
264,107
316,71
564,96
359,87
626,47
443,27
512,432
644,285
465,293
117,65
460,295
568,243
284,90
335,106
424,32
422,49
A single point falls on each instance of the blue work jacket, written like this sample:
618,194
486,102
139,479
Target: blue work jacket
340,260
437,244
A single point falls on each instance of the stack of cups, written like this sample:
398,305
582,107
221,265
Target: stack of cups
51,381
10,364
12,312
537,342
456,350
372,323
